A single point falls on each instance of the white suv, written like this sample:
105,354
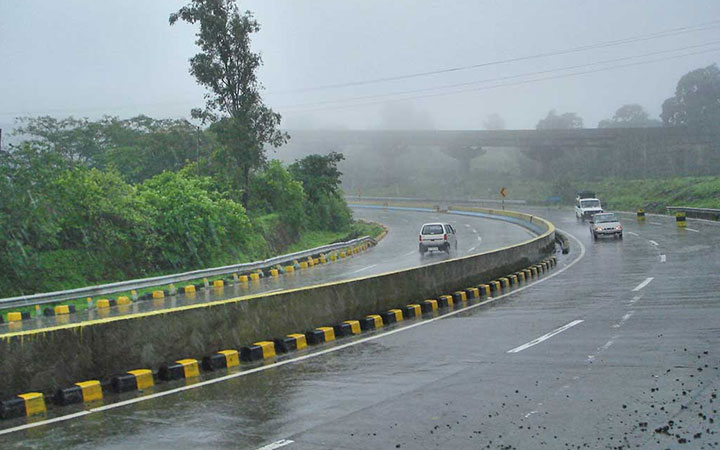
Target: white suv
585,208
440,236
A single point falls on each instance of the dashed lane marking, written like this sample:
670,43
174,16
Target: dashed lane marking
545,337
624,319
636,298
692,229
643,284
284,362
471,249
276,444
663,258
655,223
653,242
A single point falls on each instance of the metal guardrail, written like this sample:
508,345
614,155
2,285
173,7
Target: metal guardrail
696,213
435,200
92,291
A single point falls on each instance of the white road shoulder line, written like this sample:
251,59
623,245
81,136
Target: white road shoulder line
298,358
277,444
643,284
692,229
545,337
365,268
653,242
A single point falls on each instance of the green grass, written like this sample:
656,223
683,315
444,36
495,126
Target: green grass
308,239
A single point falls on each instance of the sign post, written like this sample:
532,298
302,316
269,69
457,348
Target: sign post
503,192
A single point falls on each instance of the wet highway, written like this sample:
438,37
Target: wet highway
617,347
398,251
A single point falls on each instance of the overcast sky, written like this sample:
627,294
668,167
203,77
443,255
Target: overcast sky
90,57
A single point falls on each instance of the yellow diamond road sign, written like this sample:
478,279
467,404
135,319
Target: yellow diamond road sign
503,192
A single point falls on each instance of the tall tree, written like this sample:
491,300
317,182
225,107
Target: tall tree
630,116
696,103
226,66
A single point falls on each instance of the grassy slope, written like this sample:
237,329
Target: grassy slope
308,239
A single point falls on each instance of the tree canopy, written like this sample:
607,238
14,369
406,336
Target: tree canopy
565,121
630,116
226,66
696,103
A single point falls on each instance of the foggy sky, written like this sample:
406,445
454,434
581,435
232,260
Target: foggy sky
89,58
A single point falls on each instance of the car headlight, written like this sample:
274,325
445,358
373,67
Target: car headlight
598,228
619,228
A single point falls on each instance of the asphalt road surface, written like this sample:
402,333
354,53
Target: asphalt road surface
398,251
617,347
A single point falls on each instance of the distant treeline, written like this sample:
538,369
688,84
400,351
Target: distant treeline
93,201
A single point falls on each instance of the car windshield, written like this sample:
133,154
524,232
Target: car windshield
432,229
590,203
604,218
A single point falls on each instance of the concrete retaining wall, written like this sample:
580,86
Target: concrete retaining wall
56,357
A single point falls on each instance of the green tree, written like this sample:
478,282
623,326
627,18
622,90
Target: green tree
321,181
630,116
274,190
226,66
696,103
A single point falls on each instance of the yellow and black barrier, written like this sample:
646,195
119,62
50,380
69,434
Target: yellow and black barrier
412,310
291,342
472,293
133,380
17,316
484,289
23,405
429,305
258,351
680,219
320,335
347,328
371,322
459,297
224,359
640,215
392,316
445,301
182,368
82,392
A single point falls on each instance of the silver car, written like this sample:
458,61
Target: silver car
440,236
605,224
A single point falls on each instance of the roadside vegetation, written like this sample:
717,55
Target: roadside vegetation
86,202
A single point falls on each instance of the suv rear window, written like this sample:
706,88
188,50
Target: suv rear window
432,229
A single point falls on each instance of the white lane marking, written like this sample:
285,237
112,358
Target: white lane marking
545,337
643,284
479,238
471,249
409,253
365,268
636,298
299,358
663,258
607,345
474,231
624,319
655,223
692,229
467,225
653,242
634,234
277,444
530,414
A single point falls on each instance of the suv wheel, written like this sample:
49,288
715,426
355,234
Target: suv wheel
422,249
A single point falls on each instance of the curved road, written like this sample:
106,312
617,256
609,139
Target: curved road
617,347
398,251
